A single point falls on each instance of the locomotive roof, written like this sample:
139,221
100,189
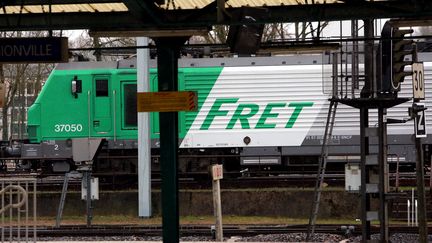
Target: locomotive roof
300,59
204,62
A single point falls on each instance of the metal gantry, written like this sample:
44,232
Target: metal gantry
373,157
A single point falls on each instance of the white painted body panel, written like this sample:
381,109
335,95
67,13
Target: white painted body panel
261,85
290,83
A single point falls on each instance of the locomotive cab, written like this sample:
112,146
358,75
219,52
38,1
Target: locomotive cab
75,105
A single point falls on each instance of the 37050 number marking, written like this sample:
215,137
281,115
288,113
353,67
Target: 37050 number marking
68,127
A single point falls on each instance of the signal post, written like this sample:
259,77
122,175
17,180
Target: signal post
390,72
391,60
418,113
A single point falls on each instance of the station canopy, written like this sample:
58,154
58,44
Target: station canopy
119,6
129,15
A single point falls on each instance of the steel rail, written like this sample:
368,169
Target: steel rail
202,230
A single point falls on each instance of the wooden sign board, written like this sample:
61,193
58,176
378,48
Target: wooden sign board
217,172
167,101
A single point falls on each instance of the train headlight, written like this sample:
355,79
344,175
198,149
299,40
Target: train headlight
247,140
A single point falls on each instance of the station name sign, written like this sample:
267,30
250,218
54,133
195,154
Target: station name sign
39,49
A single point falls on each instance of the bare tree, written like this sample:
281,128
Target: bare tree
99,43
217,35
308,29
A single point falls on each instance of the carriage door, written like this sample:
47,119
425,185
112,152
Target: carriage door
101,105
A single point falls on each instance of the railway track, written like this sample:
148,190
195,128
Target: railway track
200,230
115,181
108,181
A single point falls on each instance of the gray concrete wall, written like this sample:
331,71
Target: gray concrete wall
284,203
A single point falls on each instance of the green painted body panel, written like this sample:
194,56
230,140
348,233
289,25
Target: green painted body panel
58,115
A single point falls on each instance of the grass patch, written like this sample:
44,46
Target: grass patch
190,220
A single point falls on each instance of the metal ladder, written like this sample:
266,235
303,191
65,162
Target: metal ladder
322,167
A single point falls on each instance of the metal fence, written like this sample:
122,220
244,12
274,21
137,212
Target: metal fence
18,209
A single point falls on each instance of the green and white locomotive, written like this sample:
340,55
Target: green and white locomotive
260,113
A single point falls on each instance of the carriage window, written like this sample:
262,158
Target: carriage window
101,87
130,105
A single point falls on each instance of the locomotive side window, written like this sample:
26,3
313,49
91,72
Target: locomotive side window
101,87
130,105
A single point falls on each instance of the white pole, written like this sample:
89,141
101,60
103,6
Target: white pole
144,154
412,207
416,213
218,209
408,212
